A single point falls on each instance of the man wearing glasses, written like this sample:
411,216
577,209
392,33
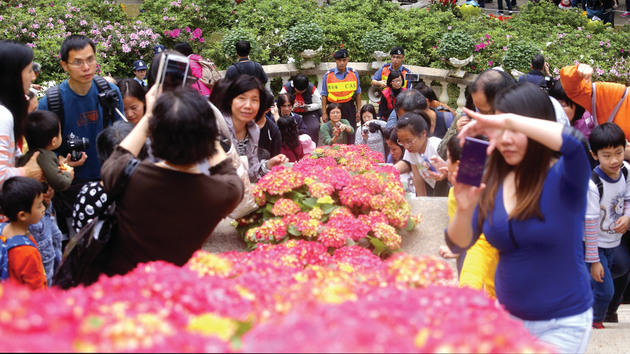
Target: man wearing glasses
76,102
380,76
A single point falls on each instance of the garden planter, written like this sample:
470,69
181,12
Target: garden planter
458,64
308,55
379,56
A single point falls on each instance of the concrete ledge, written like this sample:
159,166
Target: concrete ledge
426,238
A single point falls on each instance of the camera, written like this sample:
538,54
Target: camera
76,145
108,99
372,127
412,77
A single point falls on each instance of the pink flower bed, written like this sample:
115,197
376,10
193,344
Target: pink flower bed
338,196
293,297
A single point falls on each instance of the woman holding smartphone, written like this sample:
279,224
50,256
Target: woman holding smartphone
531,207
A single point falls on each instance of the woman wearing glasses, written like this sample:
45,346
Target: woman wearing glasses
421,153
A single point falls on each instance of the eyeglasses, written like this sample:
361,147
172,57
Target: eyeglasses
80,63
406,144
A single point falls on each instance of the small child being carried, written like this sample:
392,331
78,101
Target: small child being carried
42,131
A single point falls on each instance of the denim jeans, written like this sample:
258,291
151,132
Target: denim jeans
567,334
620,271
603,292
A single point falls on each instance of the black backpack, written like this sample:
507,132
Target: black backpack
598,181
107,98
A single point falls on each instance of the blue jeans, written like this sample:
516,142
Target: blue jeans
567,334
603,292
620,271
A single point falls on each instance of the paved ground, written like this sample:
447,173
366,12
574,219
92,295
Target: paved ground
426,239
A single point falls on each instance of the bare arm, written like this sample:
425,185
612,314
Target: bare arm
548,133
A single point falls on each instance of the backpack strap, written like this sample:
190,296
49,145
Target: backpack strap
19,240
108,112
55,104
598,182
615,110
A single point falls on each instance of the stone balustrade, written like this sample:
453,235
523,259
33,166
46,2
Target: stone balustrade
286,71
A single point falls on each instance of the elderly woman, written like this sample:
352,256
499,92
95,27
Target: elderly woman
169,208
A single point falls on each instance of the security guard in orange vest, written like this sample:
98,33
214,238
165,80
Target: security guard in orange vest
380,76
342,85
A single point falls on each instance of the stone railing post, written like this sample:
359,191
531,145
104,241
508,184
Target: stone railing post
461,100
444,95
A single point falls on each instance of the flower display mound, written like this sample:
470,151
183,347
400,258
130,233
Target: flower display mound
338,195
294,297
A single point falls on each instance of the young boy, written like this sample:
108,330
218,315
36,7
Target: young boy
607,212
21,200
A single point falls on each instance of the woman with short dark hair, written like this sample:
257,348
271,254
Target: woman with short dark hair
242,102
169,209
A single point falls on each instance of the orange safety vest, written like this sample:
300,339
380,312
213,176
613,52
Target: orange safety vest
387,70
341,91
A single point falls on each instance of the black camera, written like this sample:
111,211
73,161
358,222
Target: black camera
76,145
371,127
108,99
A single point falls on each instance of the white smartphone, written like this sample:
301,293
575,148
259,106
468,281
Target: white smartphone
174,71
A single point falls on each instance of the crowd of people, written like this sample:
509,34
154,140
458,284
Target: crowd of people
545,233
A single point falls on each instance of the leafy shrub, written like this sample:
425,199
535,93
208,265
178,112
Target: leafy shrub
378,40
304,36
177,14
45,25
519,56
456,44
228,43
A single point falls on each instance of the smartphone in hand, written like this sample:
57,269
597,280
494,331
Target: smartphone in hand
174,71
473,161
428,163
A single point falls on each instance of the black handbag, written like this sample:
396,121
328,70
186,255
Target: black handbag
88,251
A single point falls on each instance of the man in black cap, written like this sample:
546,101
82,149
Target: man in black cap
158,49
341,85
244,65
380,77
140,72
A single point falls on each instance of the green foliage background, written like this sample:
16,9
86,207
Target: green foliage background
563,36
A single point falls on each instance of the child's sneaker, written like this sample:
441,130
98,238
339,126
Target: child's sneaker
598,325
625,14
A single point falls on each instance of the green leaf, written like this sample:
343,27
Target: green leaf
410,225
328,208
310,202
379,247
293,230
